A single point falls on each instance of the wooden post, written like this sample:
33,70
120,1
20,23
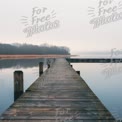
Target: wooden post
48,66
18,84
40,68
48,63
78,72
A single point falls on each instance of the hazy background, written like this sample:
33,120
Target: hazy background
74,32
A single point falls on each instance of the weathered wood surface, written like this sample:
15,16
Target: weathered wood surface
59,95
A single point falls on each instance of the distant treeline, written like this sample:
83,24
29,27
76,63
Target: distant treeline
8,49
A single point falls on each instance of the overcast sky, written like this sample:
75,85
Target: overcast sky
75,30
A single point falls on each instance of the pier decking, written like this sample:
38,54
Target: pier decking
59,95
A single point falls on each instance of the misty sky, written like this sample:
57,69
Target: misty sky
75,30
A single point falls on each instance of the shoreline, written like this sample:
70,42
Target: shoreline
33,56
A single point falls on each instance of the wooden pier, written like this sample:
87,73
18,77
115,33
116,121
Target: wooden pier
94,60
58,95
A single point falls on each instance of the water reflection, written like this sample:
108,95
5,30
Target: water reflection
16,63
30,68
108,90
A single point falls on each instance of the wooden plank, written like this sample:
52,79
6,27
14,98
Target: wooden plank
59,95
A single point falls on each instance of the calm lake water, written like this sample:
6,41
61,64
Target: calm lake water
105,80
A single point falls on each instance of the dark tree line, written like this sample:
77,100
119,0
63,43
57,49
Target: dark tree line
32,49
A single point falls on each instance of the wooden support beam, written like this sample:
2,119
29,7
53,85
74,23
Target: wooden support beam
40,68
18,84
